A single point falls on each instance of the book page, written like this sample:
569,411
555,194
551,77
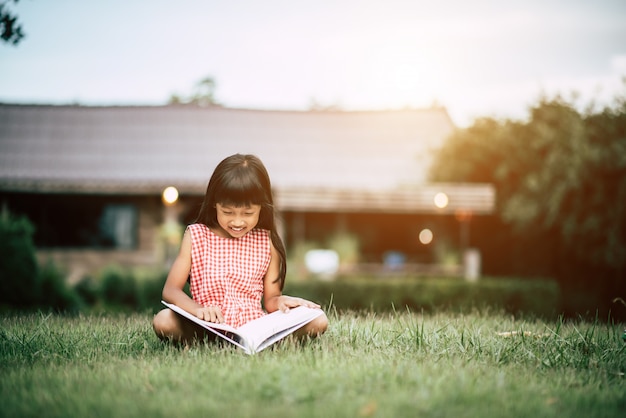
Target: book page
270,328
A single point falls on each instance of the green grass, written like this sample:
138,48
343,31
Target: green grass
378,365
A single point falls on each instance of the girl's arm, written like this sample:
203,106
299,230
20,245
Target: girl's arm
272,295
175,283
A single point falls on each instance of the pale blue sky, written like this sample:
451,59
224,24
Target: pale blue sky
477,58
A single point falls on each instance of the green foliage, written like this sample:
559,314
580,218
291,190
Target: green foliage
473,154
23,283
54,291
347,247
149,292
203,94
88,291
572,184
122,290
560,179
19,274
10,29
395,365
118,287
527,297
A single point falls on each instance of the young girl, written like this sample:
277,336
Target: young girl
232,257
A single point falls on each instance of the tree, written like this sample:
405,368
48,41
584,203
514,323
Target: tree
561,176
469,155
575,184
203,94
10,30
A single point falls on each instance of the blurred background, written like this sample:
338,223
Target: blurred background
462,146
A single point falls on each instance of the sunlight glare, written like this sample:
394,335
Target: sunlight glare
400,72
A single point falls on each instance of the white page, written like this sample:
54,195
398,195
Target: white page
277,324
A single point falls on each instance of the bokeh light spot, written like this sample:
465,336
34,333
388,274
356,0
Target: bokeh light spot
426,236
441,200
170,195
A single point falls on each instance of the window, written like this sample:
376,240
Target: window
78,221
118,224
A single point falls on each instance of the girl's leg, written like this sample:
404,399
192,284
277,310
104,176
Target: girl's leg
168,325
315,328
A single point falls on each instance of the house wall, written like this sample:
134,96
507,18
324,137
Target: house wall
377,233
157,245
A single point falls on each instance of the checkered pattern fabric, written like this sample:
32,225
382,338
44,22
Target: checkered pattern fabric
228,272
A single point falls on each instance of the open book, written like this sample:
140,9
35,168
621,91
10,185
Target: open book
259,334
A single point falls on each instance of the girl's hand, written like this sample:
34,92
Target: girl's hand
285,302
210,314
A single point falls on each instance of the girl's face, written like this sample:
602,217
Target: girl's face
235,221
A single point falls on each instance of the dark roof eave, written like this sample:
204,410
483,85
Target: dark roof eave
478,199
96,187
467,198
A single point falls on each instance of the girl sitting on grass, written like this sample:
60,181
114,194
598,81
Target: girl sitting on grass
232,256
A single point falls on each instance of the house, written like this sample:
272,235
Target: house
91,178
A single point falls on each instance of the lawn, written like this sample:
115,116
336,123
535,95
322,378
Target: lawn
368,365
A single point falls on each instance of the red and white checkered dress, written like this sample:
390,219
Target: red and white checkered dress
228,272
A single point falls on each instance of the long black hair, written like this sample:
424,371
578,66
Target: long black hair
242,180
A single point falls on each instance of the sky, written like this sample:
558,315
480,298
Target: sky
481,58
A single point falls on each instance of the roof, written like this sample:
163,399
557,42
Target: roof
141,149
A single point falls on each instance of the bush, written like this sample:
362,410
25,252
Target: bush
23,283
149,292
19,276
122,289
88,290
118,288
55,293
515,296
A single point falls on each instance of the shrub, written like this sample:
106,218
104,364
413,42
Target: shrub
23,283
149,292
118,288
88,290
122,289
19,276
54,291
515,296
